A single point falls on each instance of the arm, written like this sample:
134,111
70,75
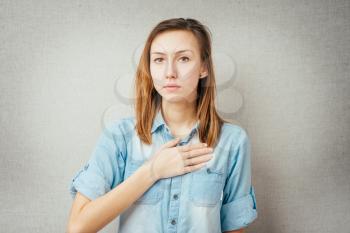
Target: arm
91,216
239,204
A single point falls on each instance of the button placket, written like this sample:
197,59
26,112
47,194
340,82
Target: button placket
175,187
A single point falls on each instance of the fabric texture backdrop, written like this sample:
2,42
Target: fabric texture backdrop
67,68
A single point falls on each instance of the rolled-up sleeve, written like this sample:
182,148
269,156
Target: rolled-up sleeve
105,167
239,208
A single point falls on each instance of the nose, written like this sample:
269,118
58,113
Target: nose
170,70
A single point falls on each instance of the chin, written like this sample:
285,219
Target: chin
173,98
176,99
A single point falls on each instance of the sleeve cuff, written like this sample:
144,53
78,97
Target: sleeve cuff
75,187
90,185
238,213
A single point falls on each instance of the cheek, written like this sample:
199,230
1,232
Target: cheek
187,71
190,85
154,73
189,77
157,75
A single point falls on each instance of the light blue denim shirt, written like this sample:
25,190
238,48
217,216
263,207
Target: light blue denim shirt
216,198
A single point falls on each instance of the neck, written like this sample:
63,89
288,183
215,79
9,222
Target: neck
179,116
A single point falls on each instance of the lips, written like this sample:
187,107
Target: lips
171,85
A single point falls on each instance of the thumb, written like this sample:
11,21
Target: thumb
171,143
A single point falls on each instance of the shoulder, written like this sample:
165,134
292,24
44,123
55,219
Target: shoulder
237,143
120,127
234,134
234,131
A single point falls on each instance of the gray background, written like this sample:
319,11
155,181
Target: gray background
60,62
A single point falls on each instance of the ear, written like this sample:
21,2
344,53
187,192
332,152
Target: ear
204,72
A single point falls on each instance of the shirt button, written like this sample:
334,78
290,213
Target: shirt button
208,170
176,196
173,222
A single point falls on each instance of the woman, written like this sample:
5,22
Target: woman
176,166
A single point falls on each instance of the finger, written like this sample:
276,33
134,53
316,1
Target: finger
197,152
194,167
171,143
189,147
197,160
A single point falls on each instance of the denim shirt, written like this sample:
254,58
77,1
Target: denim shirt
218,197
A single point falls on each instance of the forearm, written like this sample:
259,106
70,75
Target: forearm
98,213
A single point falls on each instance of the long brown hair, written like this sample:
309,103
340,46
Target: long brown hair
148,100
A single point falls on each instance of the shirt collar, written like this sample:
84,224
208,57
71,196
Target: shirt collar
159,121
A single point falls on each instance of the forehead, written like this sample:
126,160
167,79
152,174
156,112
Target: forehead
172,41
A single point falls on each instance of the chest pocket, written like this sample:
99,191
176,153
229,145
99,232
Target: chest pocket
154,194
206,186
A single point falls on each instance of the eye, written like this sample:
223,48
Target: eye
158,59
185,59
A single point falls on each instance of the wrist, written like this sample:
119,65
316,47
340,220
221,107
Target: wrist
149,171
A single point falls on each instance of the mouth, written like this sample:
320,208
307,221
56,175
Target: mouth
171,87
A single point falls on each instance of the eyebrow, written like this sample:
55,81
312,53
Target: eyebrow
180,51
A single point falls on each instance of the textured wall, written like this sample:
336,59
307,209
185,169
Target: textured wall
66,69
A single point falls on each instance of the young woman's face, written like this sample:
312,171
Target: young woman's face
176,66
